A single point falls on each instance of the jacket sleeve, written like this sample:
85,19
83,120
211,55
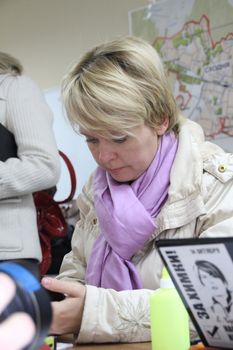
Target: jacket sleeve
74,263
29,118
115,316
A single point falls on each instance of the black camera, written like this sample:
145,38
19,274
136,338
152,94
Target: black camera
30,297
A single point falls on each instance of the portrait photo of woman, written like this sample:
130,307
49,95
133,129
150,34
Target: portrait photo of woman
216,284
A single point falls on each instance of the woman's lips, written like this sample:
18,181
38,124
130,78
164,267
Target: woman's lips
116,170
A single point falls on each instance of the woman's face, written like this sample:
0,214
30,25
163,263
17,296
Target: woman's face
215,285
128,157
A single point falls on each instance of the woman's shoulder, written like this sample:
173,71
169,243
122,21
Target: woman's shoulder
19,85
6,80
216,161
217,180
23,81
191,126
219,164
14,79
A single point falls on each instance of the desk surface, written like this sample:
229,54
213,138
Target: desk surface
132,346
129,346
120,346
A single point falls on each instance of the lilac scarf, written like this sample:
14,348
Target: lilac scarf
126,217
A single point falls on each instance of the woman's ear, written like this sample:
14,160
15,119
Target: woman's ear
161,129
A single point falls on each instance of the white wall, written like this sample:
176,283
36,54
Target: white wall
47,35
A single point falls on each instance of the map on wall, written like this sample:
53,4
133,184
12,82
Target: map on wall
195,41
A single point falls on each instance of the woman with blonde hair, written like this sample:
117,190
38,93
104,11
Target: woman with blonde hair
156,178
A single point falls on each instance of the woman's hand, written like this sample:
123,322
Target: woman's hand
18,329
67,314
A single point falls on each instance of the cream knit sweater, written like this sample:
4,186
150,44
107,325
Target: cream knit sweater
24,112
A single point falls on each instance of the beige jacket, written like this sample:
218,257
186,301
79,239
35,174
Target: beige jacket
23,111
200,204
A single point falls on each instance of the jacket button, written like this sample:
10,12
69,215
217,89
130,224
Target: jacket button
222,168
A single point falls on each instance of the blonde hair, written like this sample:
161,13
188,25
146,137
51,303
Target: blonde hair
117,86
9,64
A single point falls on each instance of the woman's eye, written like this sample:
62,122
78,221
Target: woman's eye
91,140
121,140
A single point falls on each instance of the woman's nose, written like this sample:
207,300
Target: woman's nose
106,153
